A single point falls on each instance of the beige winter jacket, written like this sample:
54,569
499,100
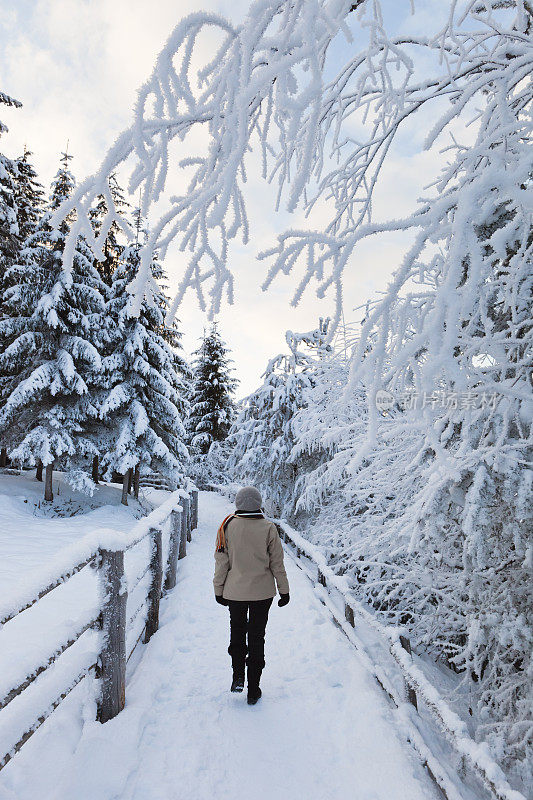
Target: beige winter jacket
252,559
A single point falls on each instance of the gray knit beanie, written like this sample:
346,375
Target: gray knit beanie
248,499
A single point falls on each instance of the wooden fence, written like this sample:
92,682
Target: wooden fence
105,552
416,688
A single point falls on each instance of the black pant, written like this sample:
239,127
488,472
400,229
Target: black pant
248,618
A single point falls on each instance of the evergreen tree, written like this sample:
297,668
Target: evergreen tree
8,215
9,235
28,196
171,332
146,402
51,360
180,376
112,247
9,231
172,335
28,203
212,405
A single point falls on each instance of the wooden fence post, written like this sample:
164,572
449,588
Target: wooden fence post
194,508
173,551
183,534
154,592
409,691
112,658
186,505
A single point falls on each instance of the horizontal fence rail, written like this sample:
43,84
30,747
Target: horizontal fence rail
417,688
93,625
104,550
57,582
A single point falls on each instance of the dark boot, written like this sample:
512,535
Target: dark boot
254,676
237,684
238,662
253,696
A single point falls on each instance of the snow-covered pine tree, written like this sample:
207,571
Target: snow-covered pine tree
29,196
113,236
112,241
172,335
181,376
214,386
146,401
9,231
9,235
51,360
28,202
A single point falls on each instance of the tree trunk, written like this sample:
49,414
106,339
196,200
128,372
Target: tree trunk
95,469
48,494
3,457
136,479
125,479
39,471
130,479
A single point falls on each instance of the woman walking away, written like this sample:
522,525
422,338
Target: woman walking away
249,563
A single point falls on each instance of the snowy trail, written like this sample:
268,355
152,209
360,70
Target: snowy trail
322,731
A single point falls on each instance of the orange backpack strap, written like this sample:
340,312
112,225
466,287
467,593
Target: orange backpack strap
221,535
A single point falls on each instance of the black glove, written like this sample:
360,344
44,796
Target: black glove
220,599
283,599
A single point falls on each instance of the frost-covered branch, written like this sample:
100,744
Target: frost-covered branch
268,89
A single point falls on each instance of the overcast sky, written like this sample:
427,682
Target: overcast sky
76,66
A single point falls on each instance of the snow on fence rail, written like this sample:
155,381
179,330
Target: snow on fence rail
417,686
104,549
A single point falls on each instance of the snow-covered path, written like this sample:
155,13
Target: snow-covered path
322,731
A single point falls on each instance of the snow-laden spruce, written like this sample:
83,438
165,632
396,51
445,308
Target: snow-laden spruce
113,242
51,358
69,345
9,237
144,402
8,214
212,393
9,230
26,201
28,196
